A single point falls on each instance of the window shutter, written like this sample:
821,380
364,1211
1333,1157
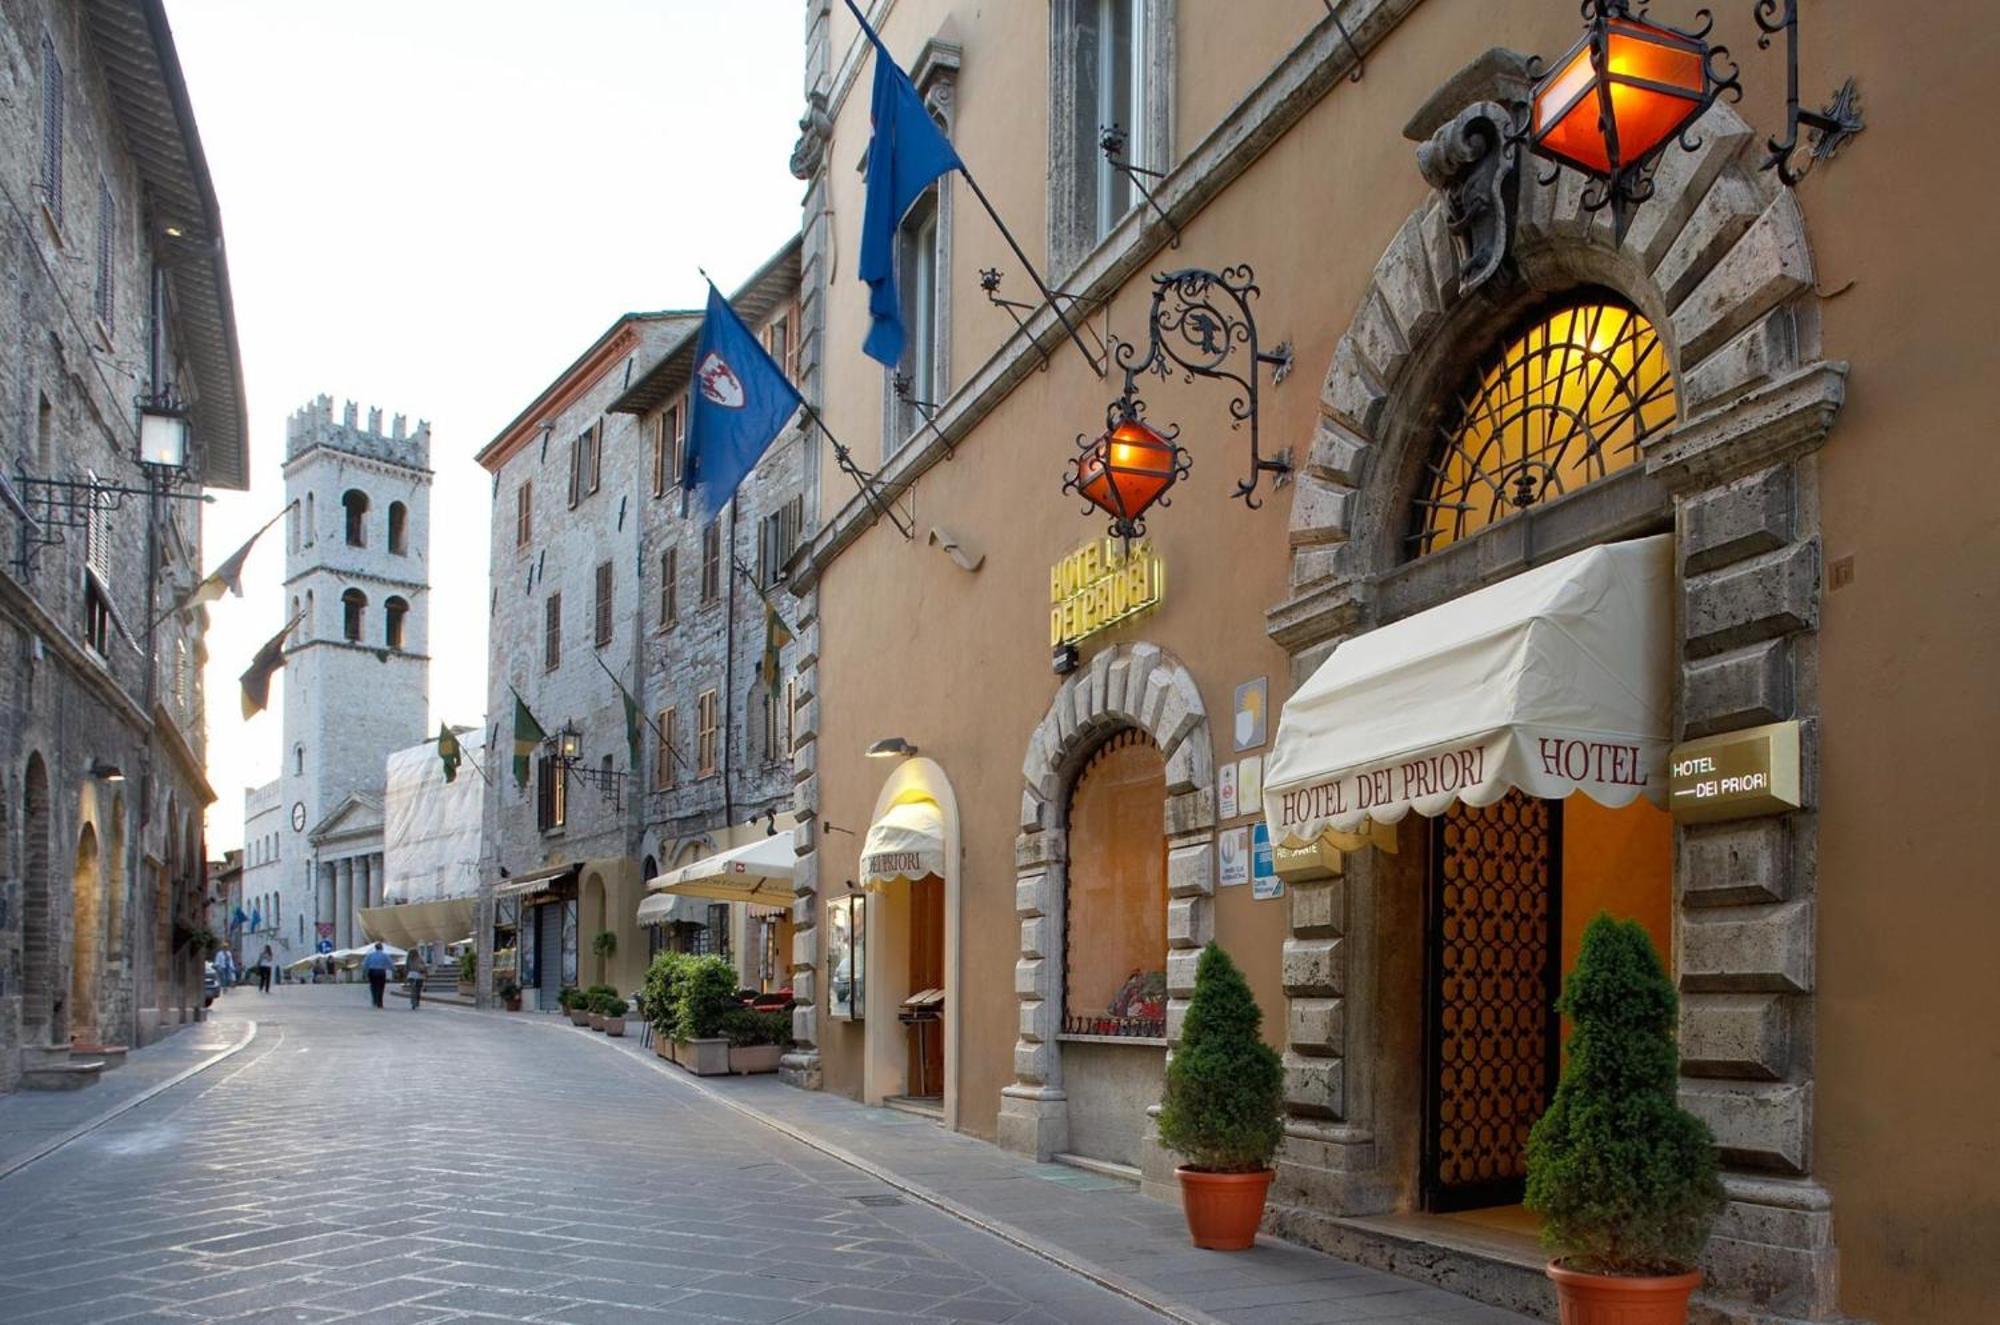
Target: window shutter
604,603
107,228
53,102
575,470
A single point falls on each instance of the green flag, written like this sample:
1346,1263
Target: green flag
527,735
448,752
635,725
776,636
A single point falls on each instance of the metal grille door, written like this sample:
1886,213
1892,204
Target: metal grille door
549,952
1493,971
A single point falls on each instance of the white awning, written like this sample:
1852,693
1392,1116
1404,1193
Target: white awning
420,922
1556,681
522,885
904,845
759,871
666,909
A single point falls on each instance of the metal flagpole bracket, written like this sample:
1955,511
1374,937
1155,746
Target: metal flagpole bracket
989,281
1111,140
1347,37
925,410
1200,324
1831,125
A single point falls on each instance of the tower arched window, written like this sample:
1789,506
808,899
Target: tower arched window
307,624
393,612
299,760
1566,401
353,606
309,519
399,529
355,502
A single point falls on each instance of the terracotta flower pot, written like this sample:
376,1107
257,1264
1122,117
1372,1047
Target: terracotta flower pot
1223,1209
614,1025
1610,1299
512,1004
597,1021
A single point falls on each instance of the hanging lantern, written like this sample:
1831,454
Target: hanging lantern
1127,471
1622,94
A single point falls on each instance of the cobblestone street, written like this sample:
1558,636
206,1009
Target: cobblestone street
365,1166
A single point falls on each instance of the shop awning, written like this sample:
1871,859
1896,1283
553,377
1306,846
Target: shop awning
1555,681
759,871
420,922
521,885
667,909
904,845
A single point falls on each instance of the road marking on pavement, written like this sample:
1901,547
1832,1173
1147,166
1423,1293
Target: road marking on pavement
1130,1289
11,1167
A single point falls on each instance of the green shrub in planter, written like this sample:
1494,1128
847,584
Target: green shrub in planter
1623,1177
567,996
1225,1086
659,995
745,1028
509,991
613,1006
468,966
706,991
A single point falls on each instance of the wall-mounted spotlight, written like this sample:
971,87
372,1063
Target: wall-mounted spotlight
106,772
891,747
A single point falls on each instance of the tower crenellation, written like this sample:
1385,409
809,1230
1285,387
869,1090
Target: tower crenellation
314,425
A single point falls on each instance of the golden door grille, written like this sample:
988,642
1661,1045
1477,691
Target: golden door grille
1494,922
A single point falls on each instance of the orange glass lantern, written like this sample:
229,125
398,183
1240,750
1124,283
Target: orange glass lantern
1620,96
1127,471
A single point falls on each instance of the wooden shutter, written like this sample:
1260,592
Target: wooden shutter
53,102
603,603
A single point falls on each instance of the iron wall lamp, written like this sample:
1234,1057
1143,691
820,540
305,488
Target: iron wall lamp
1128,469
106,772
891,747
163,432
1631,87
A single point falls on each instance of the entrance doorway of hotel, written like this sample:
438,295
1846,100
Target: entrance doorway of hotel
909,863
1510,887
926,999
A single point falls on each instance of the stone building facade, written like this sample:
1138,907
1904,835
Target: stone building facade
116,287
704,635
569,497
357,669
1401,256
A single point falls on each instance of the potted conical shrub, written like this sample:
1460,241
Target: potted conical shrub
613,1009
1624,1178
1223,1109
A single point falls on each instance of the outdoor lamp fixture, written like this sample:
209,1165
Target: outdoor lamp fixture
163,432
1198,322
891,747
1632,87
106,772
569,743
1128,469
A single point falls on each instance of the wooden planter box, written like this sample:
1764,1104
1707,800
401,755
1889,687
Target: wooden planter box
747,1060
704,1058
614,1025
663,1046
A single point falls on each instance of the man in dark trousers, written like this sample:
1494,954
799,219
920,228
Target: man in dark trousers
378,964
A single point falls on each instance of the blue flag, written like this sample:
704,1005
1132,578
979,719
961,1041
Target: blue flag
740,401
907,152
238,920
256,918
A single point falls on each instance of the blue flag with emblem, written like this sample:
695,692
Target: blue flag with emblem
238,920
740,401
907,152
256,918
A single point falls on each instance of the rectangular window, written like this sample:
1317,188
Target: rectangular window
586,469
670,572
603,604
1111,88
551,795
107,248
778,539
667,451
552,632
52,130
663,771
711,561
524,513
917,277
96,619
705,740
778,344
1111,68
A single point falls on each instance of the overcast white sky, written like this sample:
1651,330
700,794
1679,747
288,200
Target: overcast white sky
434,206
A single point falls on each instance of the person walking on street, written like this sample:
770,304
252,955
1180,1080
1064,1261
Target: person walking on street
414,970
265,961
225,970
377,965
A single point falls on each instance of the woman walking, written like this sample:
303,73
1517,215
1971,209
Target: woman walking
265,961
414,970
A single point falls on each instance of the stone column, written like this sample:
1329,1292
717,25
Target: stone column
343,910
381,876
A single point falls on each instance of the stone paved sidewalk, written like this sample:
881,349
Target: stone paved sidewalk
31,1121
1095,1225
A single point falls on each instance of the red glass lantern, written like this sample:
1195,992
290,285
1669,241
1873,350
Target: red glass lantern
1618,98
1127,471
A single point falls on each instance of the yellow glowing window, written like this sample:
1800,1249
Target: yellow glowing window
1567,402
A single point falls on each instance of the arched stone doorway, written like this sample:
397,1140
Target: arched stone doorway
87,963
595,920
1718,261
42,1018
1141,687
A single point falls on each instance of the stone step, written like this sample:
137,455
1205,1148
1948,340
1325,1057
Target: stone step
111,1055
72,1075
43,1055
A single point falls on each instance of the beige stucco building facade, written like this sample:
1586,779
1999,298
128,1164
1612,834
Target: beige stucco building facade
1832,553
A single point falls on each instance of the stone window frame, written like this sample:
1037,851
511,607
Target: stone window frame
1135,685
935,76
1072,196
1718,260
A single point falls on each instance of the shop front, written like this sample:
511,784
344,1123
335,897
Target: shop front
732,903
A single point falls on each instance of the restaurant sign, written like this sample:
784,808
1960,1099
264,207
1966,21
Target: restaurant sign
1737,775
1100,584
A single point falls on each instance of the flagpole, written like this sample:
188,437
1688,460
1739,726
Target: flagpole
248,543
466,755
1033,275
845,459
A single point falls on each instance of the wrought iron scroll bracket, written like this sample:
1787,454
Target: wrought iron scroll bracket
1200,325
1112,139
1831,125
48,506
925,410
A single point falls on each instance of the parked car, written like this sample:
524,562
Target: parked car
211,984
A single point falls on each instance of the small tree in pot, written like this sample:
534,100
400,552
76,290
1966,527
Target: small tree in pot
510,995
1225,1093
613,1009
1623,1177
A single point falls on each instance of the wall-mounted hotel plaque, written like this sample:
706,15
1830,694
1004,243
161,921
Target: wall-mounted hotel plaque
1100,584
1737,775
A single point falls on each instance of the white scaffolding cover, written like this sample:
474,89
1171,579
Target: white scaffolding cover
430,827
